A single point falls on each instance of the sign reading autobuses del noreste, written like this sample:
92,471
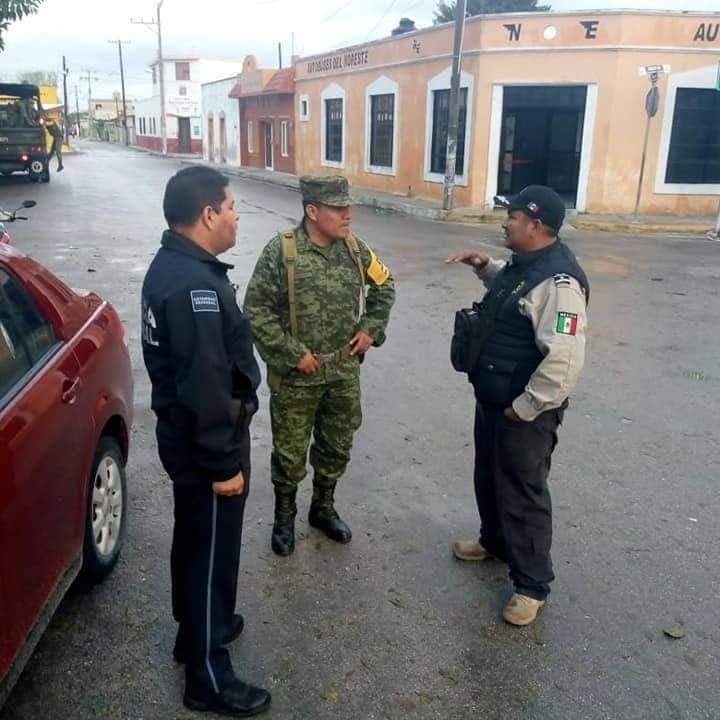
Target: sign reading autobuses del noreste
338,61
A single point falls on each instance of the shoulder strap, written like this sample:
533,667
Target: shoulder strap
354,249
289,258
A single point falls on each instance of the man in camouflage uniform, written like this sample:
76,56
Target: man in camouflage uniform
56,133
314,369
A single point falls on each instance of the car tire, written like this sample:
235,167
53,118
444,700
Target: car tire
106,511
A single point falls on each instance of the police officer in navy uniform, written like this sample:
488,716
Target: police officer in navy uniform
198,352
534,313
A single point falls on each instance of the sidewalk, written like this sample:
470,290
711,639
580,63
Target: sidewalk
432,209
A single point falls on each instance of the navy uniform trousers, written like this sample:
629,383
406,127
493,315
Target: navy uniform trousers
512,464
204,563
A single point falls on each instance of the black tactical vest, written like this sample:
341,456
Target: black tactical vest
510,355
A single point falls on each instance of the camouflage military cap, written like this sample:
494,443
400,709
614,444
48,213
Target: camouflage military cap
325,189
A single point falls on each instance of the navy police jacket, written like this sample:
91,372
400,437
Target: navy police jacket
197,347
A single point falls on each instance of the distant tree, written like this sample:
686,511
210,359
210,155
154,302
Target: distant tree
38,77
445,11
12,11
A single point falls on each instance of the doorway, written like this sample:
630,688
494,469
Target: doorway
541,138
269,136
184,138
211,139
223,140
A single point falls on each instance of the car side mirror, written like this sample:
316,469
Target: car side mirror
29,204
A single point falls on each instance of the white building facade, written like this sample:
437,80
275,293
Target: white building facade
221,123
184,77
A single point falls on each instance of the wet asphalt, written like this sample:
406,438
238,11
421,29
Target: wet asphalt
390,626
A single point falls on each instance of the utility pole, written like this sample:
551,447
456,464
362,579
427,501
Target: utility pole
65,99
89,77
280,55
161,67
452,138
120,43
77,110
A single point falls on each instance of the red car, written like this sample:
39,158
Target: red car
66,398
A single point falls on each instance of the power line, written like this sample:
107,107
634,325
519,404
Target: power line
335,12
392,4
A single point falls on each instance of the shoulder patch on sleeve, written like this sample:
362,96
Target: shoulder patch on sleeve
377,271
567,323
562,280
204,301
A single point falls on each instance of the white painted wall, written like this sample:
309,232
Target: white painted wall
217,104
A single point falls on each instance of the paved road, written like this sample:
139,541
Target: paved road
390,626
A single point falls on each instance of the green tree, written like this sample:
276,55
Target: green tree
445,11
14,10
38,77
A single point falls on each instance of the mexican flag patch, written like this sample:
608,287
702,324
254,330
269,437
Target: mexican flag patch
566,323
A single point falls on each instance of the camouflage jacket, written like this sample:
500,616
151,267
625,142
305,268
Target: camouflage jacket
327,290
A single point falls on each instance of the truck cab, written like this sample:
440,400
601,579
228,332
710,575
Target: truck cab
22,132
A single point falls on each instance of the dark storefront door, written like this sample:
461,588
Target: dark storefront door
269,139
541,139
184,141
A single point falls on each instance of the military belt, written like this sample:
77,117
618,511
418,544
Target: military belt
343,353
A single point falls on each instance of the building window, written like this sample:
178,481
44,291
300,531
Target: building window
382,130
334,130
332,127
304,108
154,126
440,123
182,90
284,125
251,136
154,74
182,71
694,154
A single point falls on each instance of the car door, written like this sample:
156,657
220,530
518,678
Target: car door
41,438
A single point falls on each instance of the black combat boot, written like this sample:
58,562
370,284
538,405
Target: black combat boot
283,534
324,517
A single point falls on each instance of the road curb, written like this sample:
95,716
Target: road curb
640,228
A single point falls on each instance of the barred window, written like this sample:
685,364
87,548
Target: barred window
441,121
334,130
694,156
382,129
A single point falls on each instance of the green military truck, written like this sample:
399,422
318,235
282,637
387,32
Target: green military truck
23,145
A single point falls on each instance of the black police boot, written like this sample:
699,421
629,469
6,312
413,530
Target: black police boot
283,534
323,515
238,699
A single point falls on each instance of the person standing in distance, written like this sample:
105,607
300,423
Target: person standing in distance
198,351
56,133
317,301
535,310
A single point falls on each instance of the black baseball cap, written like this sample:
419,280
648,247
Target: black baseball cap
538,202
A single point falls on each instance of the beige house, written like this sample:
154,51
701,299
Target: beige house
551,98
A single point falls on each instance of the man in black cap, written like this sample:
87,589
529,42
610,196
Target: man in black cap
534,313
198,351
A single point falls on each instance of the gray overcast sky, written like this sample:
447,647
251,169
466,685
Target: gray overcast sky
81,29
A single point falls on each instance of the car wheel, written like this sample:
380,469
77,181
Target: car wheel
105,516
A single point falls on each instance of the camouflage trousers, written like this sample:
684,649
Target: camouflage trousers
330,413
